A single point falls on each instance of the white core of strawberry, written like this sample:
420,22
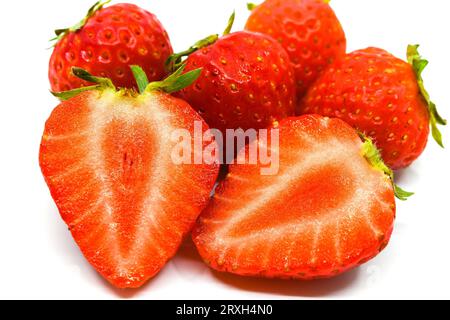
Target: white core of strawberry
104,110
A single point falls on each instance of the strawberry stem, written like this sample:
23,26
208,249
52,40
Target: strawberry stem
419,64
60,33
373,156
175,61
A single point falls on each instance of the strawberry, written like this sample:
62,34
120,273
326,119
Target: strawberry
106,157
247,81
309,31
330,208
106,42
382,96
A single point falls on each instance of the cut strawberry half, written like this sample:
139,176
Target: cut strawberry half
330,208
106,157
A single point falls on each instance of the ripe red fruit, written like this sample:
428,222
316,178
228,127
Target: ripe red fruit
309,31
382,96
106,157
247,81
106,42
330,208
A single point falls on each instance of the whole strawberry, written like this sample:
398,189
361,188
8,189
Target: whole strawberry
382,96
309,31
247,81
106,42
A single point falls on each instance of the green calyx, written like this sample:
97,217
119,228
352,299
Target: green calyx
251,6
173,83
373,156
100,84
60,33
141,78
176,60
176,81
419,64
229,24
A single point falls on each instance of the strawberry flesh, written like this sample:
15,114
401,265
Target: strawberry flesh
326,211
106,158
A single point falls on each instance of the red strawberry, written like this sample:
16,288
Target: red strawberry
382,96
106,42
247,81
330,208
308,29
106,157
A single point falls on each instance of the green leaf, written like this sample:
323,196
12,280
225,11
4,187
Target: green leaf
60,33
86,76
373,156
175,61
66,95
141,78
419,64
230,24
402,194
176,81
101,84
251,6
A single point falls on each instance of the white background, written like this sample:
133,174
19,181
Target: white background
38,258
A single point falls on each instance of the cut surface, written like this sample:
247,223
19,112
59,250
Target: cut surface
107,161
326,211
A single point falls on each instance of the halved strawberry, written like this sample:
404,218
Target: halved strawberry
106,157
330,208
